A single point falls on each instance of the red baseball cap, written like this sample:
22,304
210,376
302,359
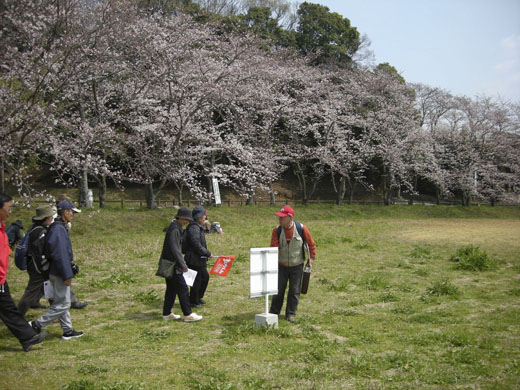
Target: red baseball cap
285,211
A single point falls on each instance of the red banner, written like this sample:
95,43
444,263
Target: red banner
222,265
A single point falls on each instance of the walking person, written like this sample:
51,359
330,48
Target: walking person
58,250
290,237
197,255
75,303
37,235
172,250
9,314
14,233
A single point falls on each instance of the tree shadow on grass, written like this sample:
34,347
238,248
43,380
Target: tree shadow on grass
237,319
144,315
5,348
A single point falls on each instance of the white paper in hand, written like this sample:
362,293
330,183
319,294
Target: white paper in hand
189,276
48,290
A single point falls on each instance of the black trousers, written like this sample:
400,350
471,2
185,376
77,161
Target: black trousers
292,275
33,291
12,318
200,284
176,286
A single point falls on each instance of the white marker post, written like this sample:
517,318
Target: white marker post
264,281
216,191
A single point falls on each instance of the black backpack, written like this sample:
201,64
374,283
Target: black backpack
20,253
35,250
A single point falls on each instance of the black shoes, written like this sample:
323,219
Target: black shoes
71,334
38,306
198,304
36,326
36,339
78,305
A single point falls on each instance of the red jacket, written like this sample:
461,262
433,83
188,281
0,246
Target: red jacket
5,251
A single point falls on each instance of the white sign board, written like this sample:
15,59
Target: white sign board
264,271
216,191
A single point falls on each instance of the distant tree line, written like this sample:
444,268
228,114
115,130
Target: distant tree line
157,92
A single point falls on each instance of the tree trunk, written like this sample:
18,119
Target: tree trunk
301,179
387,196
150,196
2,175
272,199
465,198
352,187
386,190
438,195
180,188
342,188
250,200
83,188
211,195
102,191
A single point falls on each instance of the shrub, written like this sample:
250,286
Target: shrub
420,252
473,259
442,287
148,297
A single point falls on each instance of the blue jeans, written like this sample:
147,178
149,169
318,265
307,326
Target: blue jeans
293,275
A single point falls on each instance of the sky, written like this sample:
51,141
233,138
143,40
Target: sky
467,47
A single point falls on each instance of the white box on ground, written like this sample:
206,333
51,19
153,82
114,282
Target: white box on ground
266,320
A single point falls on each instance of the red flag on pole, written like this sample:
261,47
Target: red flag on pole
222,265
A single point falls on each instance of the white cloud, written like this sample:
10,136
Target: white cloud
511,42
505,65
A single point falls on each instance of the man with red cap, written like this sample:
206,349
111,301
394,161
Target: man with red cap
291,238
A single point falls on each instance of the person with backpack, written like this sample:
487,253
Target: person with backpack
291,238
197,255
58,250
9,313
14,233
36,262
75,302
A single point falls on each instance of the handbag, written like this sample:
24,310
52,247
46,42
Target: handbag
166,268
305,279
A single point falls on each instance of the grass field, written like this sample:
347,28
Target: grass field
386,308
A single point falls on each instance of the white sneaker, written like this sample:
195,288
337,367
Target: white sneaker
193,317
171,316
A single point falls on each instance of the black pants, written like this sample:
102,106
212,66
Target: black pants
12,318
176,286
33,291
200,284
292,275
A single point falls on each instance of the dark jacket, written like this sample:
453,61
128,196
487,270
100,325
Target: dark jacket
172,247
58,250
13,234
195,246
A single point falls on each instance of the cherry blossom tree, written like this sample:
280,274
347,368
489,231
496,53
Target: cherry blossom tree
389,110
36,62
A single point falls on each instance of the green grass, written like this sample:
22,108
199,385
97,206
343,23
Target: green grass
386,307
